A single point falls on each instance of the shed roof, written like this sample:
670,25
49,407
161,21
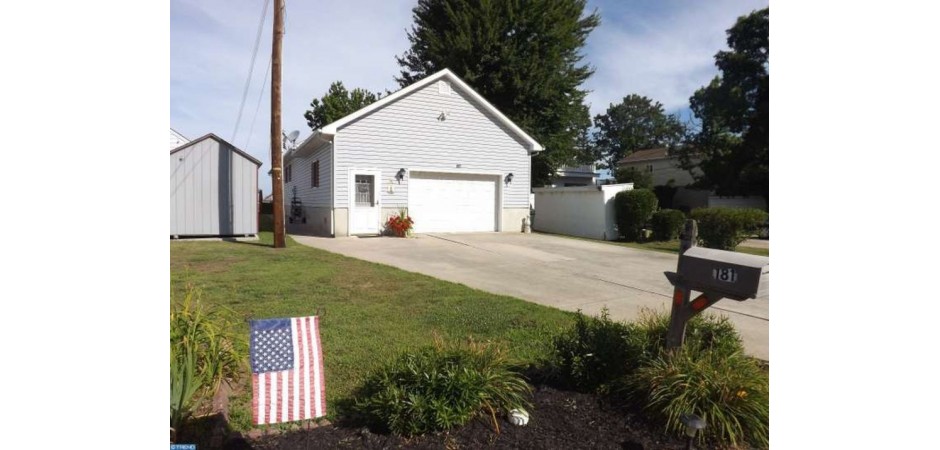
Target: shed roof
213,136
332,128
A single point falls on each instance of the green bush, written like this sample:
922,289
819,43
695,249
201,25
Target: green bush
438,388
598,351
633,210
730,392
667,224
725,228
203,353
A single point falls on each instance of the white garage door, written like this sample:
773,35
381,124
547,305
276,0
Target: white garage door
445,202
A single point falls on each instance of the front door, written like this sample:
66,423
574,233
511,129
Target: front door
364,202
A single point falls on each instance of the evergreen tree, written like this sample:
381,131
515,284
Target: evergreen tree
637,123
522,56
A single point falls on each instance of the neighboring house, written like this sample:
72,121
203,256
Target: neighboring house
177,139
436,147
568,176
660,164
213,189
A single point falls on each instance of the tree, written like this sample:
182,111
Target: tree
522,56
336,104
733,141
637,123
641,179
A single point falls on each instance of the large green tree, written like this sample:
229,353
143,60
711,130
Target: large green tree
733,141
636,123
523,56
336,104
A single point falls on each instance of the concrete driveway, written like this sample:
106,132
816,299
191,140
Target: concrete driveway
564,273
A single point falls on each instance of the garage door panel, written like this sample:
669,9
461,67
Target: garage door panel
452,202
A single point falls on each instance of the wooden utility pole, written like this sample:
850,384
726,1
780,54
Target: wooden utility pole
277,181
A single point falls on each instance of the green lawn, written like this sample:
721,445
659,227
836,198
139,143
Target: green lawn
369,312
667,246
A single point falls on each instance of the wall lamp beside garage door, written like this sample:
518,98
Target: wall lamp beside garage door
508,178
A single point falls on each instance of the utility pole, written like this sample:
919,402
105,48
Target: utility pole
277,181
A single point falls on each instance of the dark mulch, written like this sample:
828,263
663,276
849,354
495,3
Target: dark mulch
559,420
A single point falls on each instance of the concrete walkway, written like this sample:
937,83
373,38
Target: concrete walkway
564,273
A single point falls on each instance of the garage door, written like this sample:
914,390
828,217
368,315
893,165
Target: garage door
441,202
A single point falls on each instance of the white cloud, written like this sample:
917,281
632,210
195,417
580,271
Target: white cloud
665,55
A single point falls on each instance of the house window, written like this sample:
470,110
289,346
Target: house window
287,174
649,168
315,174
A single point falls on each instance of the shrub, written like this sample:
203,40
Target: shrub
667,224
725,228
203,353
399,225
633,210
641,179
729,392
438,388
597,351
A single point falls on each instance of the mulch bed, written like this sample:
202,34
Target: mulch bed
559,420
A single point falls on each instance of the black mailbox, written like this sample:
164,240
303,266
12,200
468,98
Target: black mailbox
737,276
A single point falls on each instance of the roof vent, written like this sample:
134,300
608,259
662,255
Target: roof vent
443,87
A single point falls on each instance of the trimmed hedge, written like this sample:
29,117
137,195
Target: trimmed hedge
633,210
725,228
667,224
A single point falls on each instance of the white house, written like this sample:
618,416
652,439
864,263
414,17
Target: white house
567,176
213,189
436,147
658,162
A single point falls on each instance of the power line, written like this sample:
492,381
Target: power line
264,83
251,68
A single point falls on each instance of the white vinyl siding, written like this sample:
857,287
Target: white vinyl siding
213,191
408,134
310,196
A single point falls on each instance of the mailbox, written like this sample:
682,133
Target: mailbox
733,275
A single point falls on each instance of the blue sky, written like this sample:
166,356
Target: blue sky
661,49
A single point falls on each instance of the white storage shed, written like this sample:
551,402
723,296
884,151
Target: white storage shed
213,189
584,211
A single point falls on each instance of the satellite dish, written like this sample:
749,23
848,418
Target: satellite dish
293,135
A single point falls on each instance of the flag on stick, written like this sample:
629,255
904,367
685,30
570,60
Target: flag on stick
286,370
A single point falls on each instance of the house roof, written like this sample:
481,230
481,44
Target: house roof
331,129
213,136
645,155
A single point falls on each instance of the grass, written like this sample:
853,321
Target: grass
369,312
666,246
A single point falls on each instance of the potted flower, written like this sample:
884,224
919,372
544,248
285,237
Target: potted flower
400,225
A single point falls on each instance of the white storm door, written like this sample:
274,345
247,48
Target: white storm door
364,202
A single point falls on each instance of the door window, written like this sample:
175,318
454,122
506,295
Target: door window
365,190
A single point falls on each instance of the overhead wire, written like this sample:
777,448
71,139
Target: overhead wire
264,83
251,68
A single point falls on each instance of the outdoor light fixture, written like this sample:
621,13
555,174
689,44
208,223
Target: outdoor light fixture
692,424
400,175
508,178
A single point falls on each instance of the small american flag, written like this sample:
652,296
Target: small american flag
286,370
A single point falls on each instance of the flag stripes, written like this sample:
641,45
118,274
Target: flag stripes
299,392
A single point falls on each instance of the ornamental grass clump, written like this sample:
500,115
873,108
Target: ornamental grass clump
441,387
400,225
203,353
731,393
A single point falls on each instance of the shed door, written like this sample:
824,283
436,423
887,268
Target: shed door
447,202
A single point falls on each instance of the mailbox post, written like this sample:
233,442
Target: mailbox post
717,274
